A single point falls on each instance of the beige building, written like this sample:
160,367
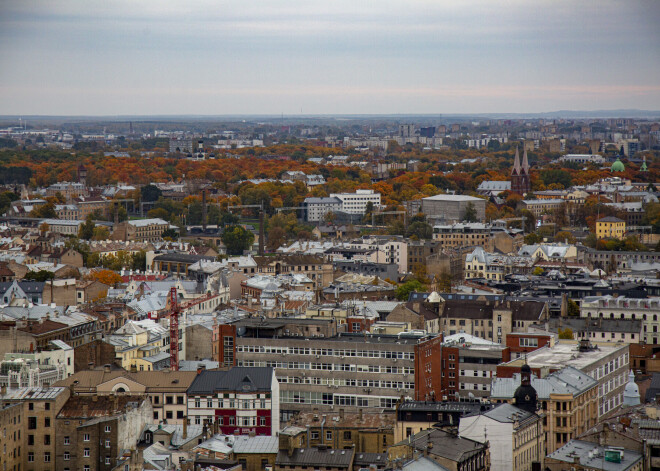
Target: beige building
11,436
147,230
40,408
610,228
166,389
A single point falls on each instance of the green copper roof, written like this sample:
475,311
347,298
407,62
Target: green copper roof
618,166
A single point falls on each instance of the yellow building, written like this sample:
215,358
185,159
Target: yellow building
610,228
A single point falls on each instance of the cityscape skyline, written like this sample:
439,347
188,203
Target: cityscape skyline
308,58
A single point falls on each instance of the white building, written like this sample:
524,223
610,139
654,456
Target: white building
317,208
356,203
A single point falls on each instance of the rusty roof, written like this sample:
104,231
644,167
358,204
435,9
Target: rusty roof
97,406
369,421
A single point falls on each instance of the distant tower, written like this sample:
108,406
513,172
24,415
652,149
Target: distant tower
631,395
525,396
520,179
82,175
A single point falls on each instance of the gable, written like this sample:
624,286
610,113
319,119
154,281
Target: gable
130,386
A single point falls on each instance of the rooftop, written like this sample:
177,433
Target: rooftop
592,456
566,353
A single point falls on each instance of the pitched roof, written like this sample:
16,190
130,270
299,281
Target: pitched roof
327,458
164,380
236,379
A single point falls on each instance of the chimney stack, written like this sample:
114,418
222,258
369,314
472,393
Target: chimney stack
261,232
185,428
204,222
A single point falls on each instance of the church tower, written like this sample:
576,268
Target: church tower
520,180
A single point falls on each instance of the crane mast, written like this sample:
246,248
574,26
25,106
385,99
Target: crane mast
174,330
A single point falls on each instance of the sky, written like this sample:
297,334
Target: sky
171,57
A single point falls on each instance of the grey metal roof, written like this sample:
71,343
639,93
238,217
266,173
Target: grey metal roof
568,380
578,449
445,444
508,414
244,444
238,378
423,464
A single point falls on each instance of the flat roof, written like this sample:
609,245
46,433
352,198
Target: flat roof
566,354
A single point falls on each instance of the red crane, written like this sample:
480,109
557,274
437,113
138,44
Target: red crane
174,330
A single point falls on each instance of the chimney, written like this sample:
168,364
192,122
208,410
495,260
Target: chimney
185,428
261,232
85,410
204,222
341,413
106,368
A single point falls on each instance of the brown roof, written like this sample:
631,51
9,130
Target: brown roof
424,310
154,381
39,328
96,406
350,420
5,271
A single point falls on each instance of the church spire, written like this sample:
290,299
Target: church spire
525,164
516,164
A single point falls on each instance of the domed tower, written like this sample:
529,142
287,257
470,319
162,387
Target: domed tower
525,396
618,166
631,395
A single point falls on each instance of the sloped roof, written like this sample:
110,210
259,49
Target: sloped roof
316,457
235,379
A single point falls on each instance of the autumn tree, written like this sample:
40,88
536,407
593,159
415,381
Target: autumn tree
237,239
86,230
276,238
107,277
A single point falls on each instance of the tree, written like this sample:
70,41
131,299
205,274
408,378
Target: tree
86,230
368,211
566,334
122,214
422,230
41,275
101,233
45,211
533,238
139,261
237,239
470,214
538,271
107,277
170,234
159,213
150,193
573,308
276,238
564,236
44,228
403,291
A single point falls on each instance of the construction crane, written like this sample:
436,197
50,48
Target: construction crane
174,330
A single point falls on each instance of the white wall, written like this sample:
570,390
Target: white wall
499,435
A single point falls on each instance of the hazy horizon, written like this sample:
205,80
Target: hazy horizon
307,58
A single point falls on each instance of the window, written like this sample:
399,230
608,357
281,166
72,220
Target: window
179,414
179,400
47,406
328,435
86,452
107,429
168,414
67,440
31,439
32,423
46,439
107,443
86,437
31,406
169,400
347,435
86,468
107,460
67,456
30,457
262,421
47,457
47,422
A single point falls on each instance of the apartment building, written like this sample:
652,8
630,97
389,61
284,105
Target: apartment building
490,236
516,436
610,227
239,401
94,431
167,390
145,230
491,320
12,423
608,364
356,203
494,266
40,407
316,209
414,416
539,207
317,268
646,310
568,399
317,366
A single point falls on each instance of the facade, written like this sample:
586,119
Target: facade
317,268
317,208
646,310
356,203
568,400
238,401
516,436
415,416
608,364
539,207
489,236
94,431
40,407
165,389
610,228
146,230
452,208
494,266
12,423
317,366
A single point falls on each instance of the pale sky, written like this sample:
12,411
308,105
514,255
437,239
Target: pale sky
144,57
